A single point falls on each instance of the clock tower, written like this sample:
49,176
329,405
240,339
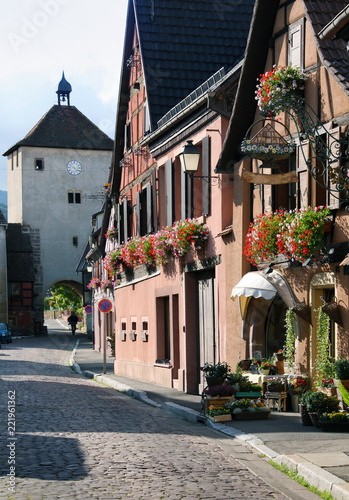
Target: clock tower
54,173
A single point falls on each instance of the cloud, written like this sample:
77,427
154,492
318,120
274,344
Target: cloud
41,38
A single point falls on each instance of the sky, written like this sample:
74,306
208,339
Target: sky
39,39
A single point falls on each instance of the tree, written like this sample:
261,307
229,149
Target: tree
64,297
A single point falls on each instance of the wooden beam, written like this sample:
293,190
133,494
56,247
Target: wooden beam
269,178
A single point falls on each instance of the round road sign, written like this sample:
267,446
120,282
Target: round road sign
88,309
105,305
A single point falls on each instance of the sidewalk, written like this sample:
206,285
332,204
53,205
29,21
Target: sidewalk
322,458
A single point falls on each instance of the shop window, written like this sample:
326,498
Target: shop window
275,331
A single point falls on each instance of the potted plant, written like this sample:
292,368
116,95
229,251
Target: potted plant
234,380
318,403
305,417
218,395
296,385
328,387
280,355
265,367
216,373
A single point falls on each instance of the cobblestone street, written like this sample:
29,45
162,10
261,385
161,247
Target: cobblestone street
77,439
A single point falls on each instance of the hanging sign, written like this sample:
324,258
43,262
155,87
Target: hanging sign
269,178
105,305
88,309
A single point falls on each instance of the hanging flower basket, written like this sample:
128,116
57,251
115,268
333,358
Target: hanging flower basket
268,145
279,90
303,311
332,310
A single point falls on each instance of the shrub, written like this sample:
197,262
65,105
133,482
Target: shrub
341,369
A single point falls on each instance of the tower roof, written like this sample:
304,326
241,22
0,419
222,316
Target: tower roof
63,86
65,127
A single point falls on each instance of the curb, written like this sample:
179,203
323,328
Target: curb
314,475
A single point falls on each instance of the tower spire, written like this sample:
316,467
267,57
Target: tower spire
63,91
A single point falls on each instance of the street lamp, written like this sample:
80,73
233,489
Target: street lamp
190,158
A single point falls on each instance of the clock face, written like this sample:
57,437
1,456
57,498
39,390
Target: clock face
74,167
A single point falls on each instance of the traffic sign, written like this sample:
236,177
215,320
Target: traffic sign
105,305
88,309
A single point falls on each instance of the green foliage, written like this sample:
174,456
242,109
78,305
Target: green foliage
64,297
344,393
318,402
290,342
341,369
292,473
218,370
335,417
323,363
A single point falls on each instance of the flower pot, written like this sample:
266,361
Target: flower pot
264,371
314,418
306,420
281,367
329,391
213,381
334,426
295,402
220,418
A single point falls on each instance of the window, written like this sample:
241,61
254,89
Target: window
163,329
145,216
285,195
75,241
296,44
74,197
128,142
39,164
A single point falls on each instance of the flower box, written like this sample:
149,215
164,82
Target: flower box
334,426
220,418
249,395
216,401
251,415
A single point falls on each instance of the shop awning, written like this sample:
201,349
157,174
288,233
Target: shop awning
254,285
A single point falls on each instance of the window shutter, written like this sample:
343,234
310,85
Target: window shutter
149,205
183,195
138,213
206,172
169,198
154,200
124,216
303,176
118,215
296,44
333,201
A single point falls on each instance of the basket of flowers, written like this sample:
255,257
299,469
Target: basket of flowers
218,414
246,409
328,387
276,385
297,384
216,373
280,89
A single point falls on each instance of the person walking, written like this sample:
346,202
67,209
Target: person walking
72,321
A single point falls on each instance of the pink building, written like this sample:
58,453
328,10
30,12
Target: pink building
178,83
